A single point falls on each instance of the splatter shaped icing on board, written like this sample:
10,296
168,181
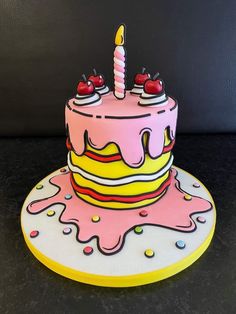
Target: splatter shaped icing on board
174,211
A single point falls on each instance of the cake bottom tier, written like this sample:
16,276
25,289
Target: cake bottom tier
103,179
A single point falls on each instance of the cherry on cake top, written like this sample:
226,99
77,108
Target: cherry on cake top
97,79
144,85
141,77
85,87
154,85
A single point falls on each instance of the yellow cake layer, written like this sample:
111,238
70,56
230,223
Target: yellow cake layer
117,205
118,169
133,188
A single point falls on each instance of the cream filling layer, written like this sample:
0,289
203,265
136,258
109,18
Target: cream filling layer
122,181
102,90
93,100
149,99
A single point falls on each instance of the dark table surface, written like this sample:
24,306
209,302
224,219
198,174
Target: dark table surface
208,286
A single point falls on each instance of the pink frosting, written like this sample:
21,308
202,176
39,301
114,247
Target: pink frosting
123,122
171,211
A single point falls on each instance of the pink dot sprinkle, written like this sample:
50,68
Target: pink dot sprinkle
67,230
34,233
62,170
88,250
143,213
201,219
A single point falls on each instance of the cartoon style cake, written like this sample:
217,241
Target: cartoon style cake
120,180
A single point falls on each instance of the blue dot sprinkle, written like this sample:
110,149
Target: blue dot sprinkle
180,244
68,196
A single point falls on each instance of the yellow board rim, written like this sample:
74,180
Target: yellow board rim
128,280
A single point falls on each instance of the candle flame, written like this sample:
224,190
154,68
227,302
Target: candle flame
120,35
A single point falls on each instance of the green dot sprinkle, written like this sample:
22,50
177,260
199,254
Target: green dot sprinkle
138,230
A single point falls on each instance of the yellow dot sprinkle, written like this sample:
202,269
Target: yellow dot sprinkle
187,197
39,186
149,253
51,213
95,219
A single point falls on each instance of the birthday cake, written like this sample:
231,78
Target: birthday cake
120,178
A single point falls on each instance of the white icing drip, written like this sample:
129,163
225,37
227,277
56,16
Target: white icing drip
125,180
119,62
87,100
120,74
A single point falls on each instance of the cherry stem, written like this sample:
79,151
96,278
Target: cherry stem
84,78
94,71
143,70
156,75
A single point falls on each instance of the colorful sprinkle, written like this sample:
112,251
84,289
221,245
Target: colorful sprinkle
180,244
34,233
68,196
62,170
149,253
88,250
201,219
196,185
138,230
187,197
39,186
67,230
143,213
95,219
51,213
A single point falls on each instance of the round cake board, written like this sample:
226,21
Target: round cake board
152,254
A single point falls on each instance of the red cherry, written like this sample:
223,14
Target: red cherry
140,78
85,87
97,80
154,86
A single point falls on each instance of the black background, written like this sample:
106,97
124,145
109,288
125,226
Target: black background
47,45
206,287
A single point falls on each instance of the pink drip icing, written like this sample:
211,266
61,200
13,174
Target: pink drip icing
171,211
125,133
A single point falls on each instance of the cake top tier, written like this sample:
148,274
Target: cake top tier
122,122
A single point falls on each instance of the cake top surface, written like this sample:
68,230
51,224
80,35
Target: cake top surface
126,108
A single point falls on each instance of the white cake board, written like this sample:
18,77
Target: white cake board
129,267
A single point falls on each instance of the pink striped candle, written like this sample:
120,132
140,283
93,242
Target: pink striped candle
119,63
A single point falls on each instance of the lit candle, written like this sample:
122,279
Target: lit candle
119,63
